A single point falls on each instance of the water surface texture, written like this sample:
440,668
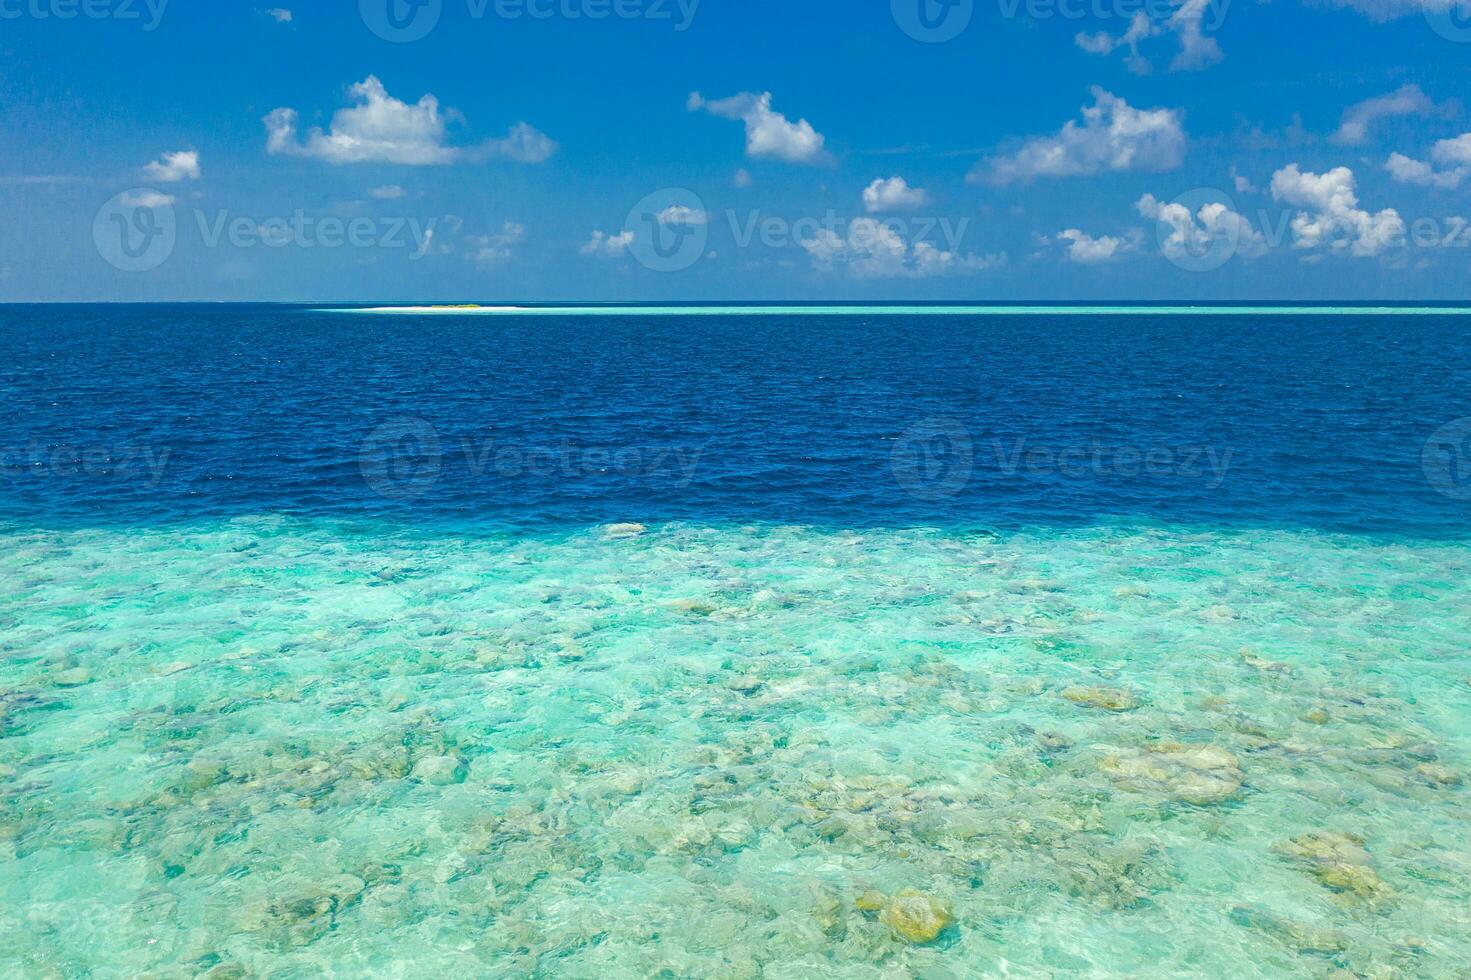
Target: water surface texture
758,646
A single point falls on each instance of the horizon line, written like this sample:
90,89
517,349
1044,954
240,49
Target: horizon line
352,305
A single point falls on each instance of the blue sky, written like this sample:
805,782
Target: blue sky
733,149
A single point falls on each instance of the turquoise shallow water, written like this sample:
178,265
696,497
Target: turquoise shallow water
285,747
910,312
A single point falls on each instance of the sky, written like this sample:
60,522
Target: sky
483,151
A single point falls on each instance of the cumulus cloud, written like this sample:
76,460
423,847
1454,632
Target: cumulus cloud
491,250
678,214
1331,214
893,194
382,129
1407,170
279,14
1084,249
1359,120
1196,234
873,250
174,167
606,246
768,132
1198,50
524,143
1449,166
1114,136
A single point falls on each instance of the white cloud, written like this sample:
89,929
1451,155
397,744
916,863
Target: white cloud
874,250
1358,120
678,214
1114,137
523,143
1187,23
1197,51
146,199
1242,183
1084,249
893,194
1410,171
1101,42
1453,152
1386,10
388,192
768,132
742,178
1193,235
1140,28
608,246
1331,214
378,129
382,129
490,250
174,167
279,14
1449,167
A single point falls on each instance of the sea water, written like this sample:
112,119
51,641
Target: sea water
699,650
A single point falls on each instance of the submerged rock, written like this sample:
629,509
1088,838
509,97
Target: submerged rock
1354,879
302,918
916,918
695,607
380,762
200,774
1117,877
439,770
1054,742
1437,775
1300,936
1106,698
344,888
1199,774
1252,659
75,677
1338,861
827,912
871,901
1332,846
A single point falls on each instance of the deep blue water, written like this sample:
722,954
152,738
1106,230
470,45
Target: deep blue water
123,415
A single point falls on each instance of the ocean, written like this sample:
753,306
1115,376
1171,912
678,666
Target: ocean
755,642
